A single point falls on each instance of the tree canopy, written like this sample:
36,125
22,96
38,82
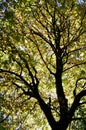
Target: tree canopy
43,64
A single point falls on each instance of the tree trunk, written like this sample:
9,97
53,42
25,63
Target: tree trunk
61,125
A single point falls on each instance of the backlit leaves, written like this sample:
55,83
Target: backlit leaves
31,35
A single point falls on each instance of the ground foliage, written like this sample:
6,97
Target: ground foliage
42,64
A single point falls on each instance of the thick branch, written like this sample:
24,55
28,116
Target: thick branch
79,79
59,88
76,102
47,111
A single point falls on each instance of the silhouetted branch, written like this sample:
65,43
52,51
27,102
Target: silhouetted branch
76,102
17,75
77,64
79,79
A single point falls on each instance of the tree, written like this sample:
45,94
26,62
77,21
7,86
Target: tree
43,59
